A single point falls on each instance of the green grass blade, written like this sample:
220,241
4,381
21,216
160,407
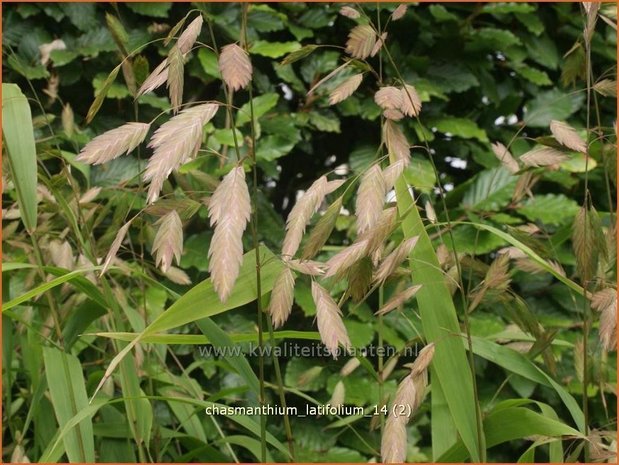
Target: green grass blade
198,339
511,423
516,362
220,339
202,301
21,151
529,252
46,287
450,368
68,395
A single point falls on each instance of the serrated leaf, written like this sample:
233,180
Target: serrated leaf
550,209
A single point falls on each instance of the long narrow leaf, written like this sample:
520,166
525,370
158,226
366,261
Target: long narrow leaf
68,394
21,151
451,374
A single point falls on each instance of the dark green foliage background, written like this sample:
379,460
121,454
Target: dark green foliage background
483,71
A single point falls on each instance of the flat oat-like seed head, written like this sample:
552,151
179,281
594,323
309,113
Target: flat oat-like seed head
235,67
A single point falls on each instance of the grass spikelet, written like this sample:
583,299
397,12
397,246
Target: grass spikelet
308,267
113,143
605,302
399,12
397,145
168,241
393,172
411,103
61,254
345,89
322,230
282,298
190,35
361,41
329,317
111,255
350,366
505,157
229,211
394,442
339,394
379,44
346,258
543,156
376,236
370,198
423,360
567,136
349,12
588,242
235,67
398,300
388,98
177,276
175,142
394,259
156,79
175,81
302,212
359,278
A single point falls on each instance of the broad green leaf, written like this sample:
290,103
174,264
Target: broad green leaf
450,369
491,190
156,10
68,395
21,152
262,104
299,54
208,60
273,49
550,209
551,105
459,127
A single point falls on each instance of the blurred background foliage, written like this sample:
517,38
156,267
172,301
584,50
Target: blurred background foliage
485,73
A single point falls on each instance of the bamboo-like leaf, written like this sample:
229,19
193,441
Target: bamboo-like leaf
68,396
18,136
450,371
506,424
202,301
